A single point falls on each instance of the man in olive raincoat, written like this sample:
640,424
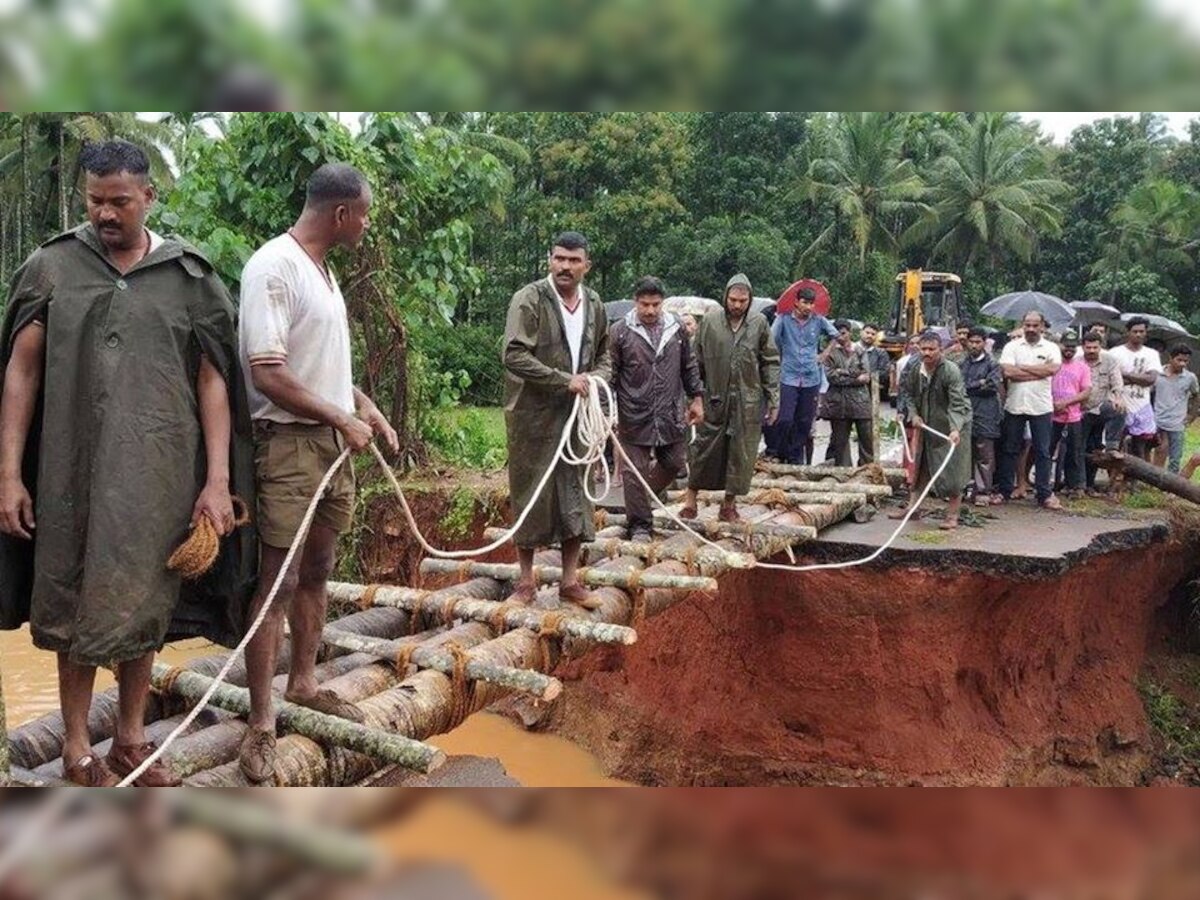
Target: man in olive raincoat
556,334
740,368
937,398
122,402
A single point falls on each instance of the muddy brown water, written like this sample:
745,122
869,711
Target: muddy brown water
536,760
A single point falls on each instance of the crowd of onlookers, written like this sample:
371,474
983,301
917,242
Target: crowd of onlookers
1045,402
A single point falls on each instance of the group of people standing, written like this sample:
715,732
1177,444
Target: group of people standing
134,405
1046,405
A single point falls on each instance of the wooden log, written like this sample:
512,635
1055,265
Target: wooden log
1140,470
419,707
589,576
544,687
833,487
870,473
705,560
20,777
380,745
40,741
712,528
776,496
483,611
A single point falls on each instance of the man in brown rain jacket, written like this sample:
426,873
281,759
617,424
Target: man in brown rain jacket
740,367
556,334
121,393
653,371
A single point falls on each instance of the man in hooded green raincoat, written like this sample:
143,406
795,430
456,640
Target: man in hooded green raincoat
556,334
122,423
739,364
937,397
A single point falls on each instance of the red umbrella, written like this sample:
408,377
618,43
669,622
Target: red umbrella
787,300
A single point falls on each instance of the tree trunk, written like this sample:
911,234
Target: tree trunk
589,576
376,743
807,486
1140,470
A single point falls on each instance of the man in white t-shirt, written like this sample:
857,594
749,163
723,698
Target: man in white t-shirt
1029,364
1140,368
294,341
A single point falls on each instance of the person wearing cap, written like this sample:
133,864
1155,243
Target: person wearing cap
847,403
1070,389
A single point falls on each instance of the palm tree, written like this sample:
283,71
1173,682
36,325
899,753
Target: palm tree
39,168
858,169
989,194
1156,227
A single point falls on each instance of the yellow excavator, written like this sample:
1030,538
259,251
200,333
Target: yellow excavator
922,300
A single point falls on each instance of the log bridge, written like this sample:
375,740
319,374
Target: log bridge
418,662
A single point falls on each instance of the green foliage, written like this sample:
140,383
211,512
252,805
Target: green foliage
1135,289
700,259
1170,718
457,521
474,349
467,436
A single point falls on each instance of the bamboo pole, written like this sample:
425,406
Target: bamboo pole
588,575
412,599
706,560
317,726
544,687
838,473
421,706
712,528
772,497
801,486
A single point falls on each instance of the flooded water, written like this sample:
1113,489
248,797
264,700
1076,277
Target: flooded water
536,760
506,861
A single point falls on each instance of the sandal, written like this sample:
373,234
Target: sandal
525,594
327,702
579,595
687,512
125,758
997,500
983,500
950,524
1051,502
90,771
728,513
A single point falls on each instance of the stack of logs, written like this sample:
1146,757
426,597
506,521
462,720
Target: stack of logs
417,662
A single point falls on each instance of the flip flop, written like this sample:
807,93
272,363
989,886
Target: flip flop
948,525
687,512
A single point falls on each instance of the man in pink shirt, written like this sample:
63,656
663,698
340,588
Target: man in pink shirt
1070,388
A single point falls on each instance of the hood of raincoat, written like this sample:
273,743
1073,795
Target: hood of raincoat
733,282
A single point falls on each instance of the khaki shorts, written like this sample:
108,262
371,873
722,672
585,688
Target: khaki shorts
289,462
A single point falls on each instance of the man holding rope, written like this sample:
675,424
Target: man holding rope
937,398
555,336
295,351
121,404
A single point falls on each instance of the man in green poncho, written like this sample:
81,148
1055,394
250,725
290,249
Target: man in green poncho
121,404
556,334
937,398
740,368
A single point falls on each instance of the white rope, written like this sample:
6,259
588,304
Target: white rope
220,677
592,422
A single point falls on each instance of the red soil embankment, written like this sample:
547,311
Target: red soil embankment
876,675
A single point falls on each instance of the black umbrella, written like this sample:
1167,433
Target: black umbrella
1014,306
1089,312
